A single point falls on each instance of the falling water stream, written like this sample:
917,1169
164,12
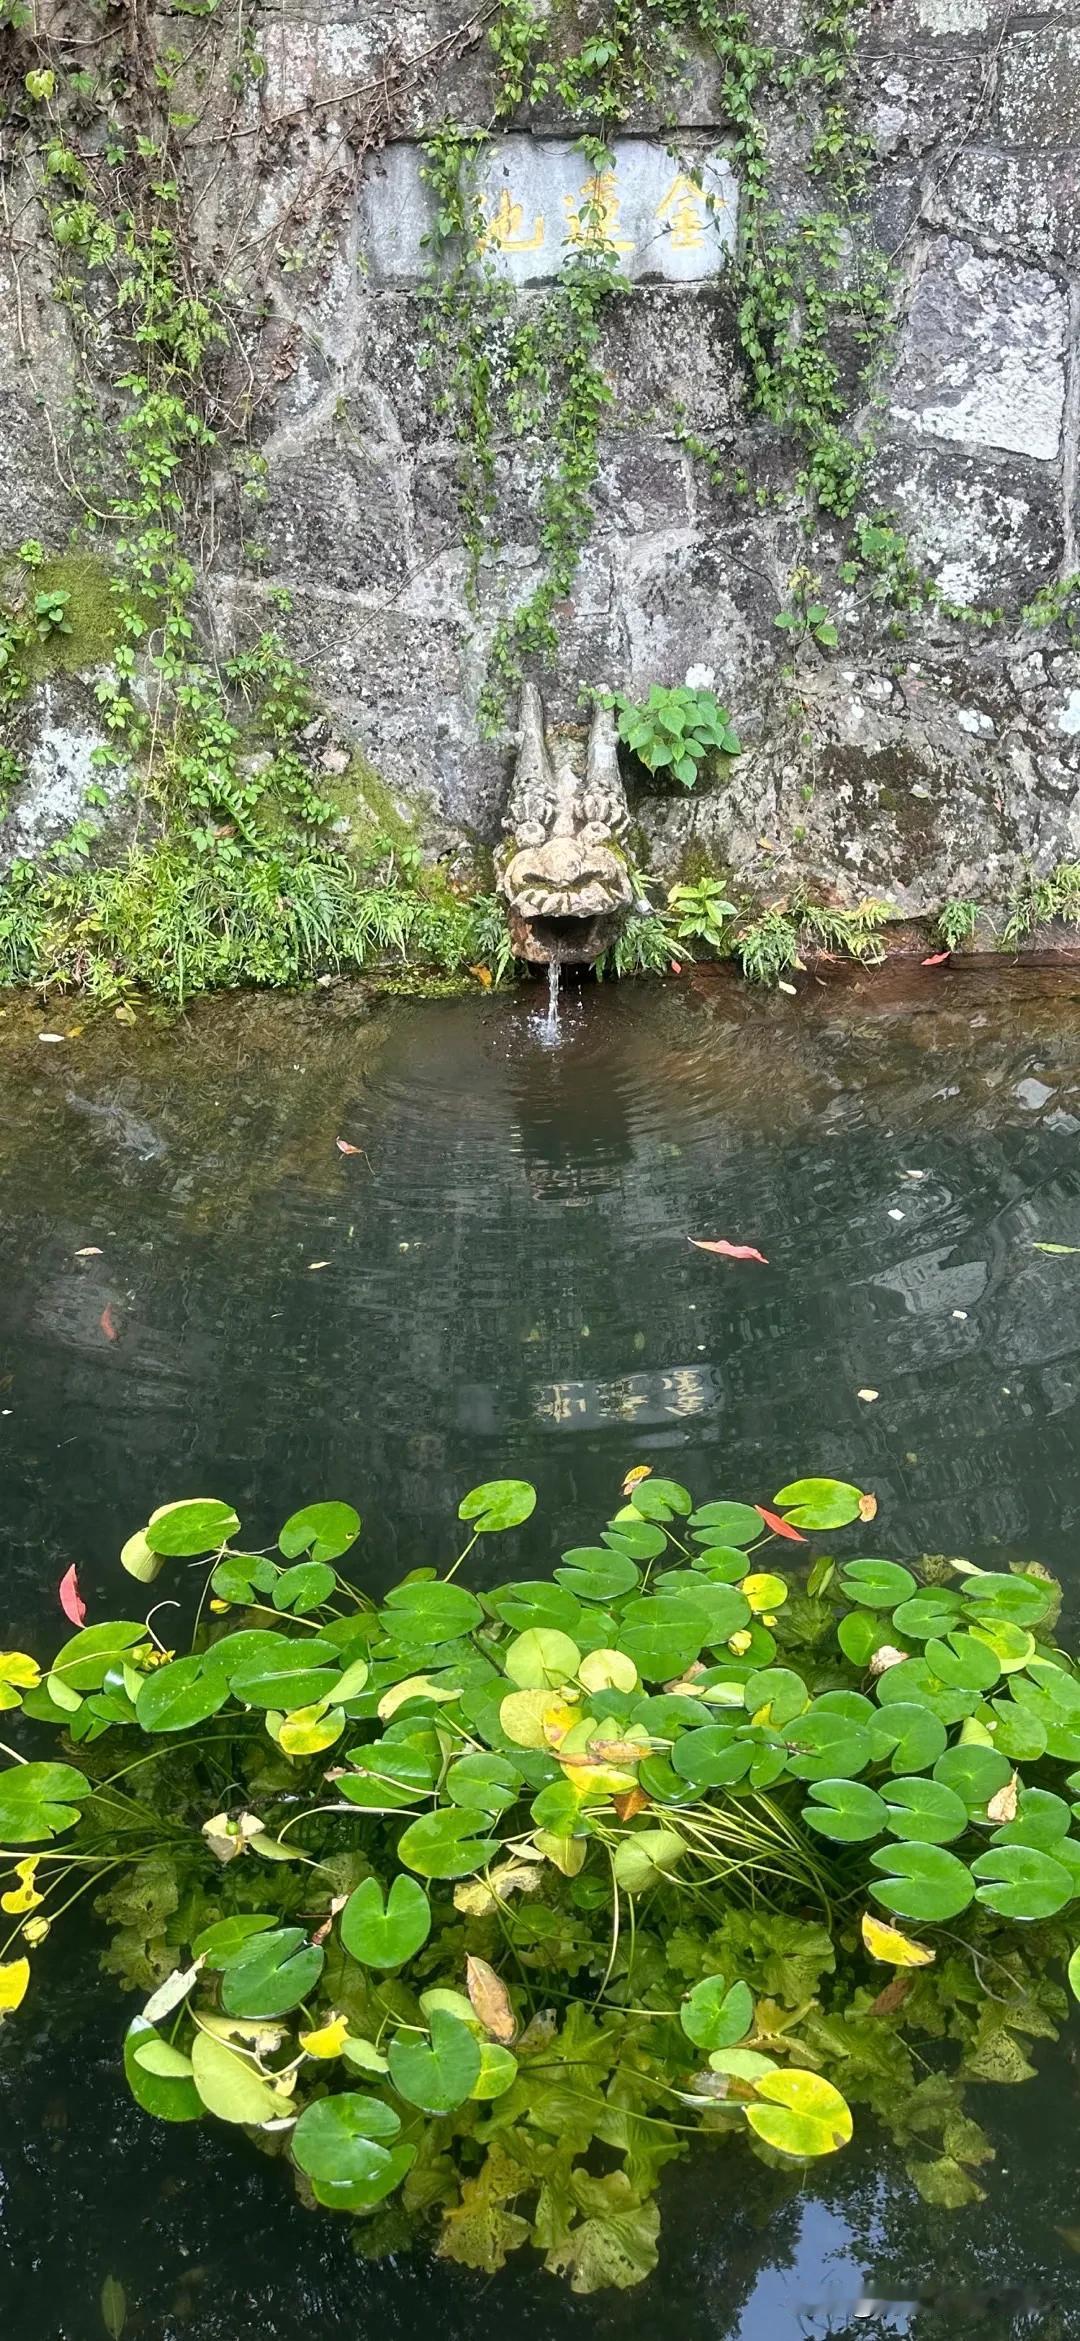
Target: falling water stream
201,1292
551,1022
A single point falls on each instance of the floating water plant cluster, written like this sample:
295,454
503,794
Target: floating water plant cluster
480,1907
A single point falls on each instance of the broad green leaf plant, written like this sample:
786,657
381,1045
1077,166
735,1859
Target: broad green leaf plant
620,1857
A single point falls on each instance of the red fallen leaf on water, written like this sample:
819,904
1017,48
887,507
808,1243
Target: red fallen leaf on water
729,1251
936,959
779,1527
71,1600
344,1147
108,1325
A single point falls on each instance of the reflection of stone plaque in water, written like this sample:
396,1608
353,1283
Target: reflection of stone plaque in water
662,213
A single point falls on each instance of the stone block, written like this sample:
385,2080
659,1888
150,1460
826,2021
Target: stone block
982,359
1027,204
670,354
336,514
1038,88
907,105
537,196
683,606
988,532
399,685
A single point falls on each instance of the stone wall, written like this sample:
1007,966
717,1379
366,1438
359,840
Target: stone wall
920,761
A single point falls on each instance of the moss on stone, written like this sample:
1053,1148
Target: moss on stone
92,613
370,809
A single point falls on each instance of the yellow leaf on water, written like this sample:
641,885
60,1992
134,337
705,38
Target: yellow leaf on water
328,2040
25,1895
483,976
893,1948
308,1730
491,2000
14,1983
763,1591
634,1478
867,1504
18,1669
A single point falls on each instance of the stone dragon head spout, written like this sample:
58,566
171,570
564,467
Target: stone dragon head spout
563,874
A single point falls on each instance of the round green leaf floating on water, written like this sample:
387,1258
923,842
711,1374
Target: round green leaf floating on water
776,1694
219,1943
925,1812
662,1636
385,1933
304,1587
641,1860
177,1696
922,1881
428,1612
498,2072
849,1811
393,1773
271,1973
661,1499
437,2075
183,1531
323,1530
803,2115
712,1757
819,1503
169,2097
484,1784
962,1663
863,1631
932,1610
715,2014
877,1584
912,1682
1041,1819
39,1801
975,1773
1021,1881
1021,1601
723,1564
344,2138
445,1845
911,1736
498,1504
539,1603
541,1660
1074,1973
826,1746
1018,1734
593,1572
737,1524
643,1540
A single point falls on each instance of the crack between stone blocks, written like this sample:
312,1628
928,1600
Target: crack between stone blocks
1070,438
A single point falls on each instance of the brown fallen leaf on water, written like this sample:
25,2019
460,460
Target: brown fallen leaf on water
90,1252
337,1904
635,1801
634,1478
1002,1807
107,1323
886,1657
483,976
345,1146
893,1996
868,1507
728,1251
491,2000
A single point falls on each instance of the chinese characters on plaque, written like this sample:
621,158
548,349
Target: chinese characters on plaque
659,213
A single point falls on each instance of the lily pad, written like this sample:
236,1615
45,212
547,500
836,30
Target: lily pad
922,1881
384,1933
498,1504
975,1773
925,1812
440,2073
819,1503
427,1612
541,1660
802,2114
323,1530
848,1811
445,1845
343,2139
877,1584
184,1531
271,1973
716,2014
1023,1882
911,1736
39,1801
823,1746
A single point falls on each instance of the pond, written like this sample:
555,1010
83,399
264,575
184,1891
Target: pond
203,1293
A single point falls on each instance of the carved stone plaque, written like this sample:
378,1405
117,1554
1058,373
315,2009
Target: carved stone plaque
665,214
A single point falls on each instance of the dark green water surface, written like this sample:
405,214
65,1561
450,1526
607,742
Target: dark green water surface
508,1289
